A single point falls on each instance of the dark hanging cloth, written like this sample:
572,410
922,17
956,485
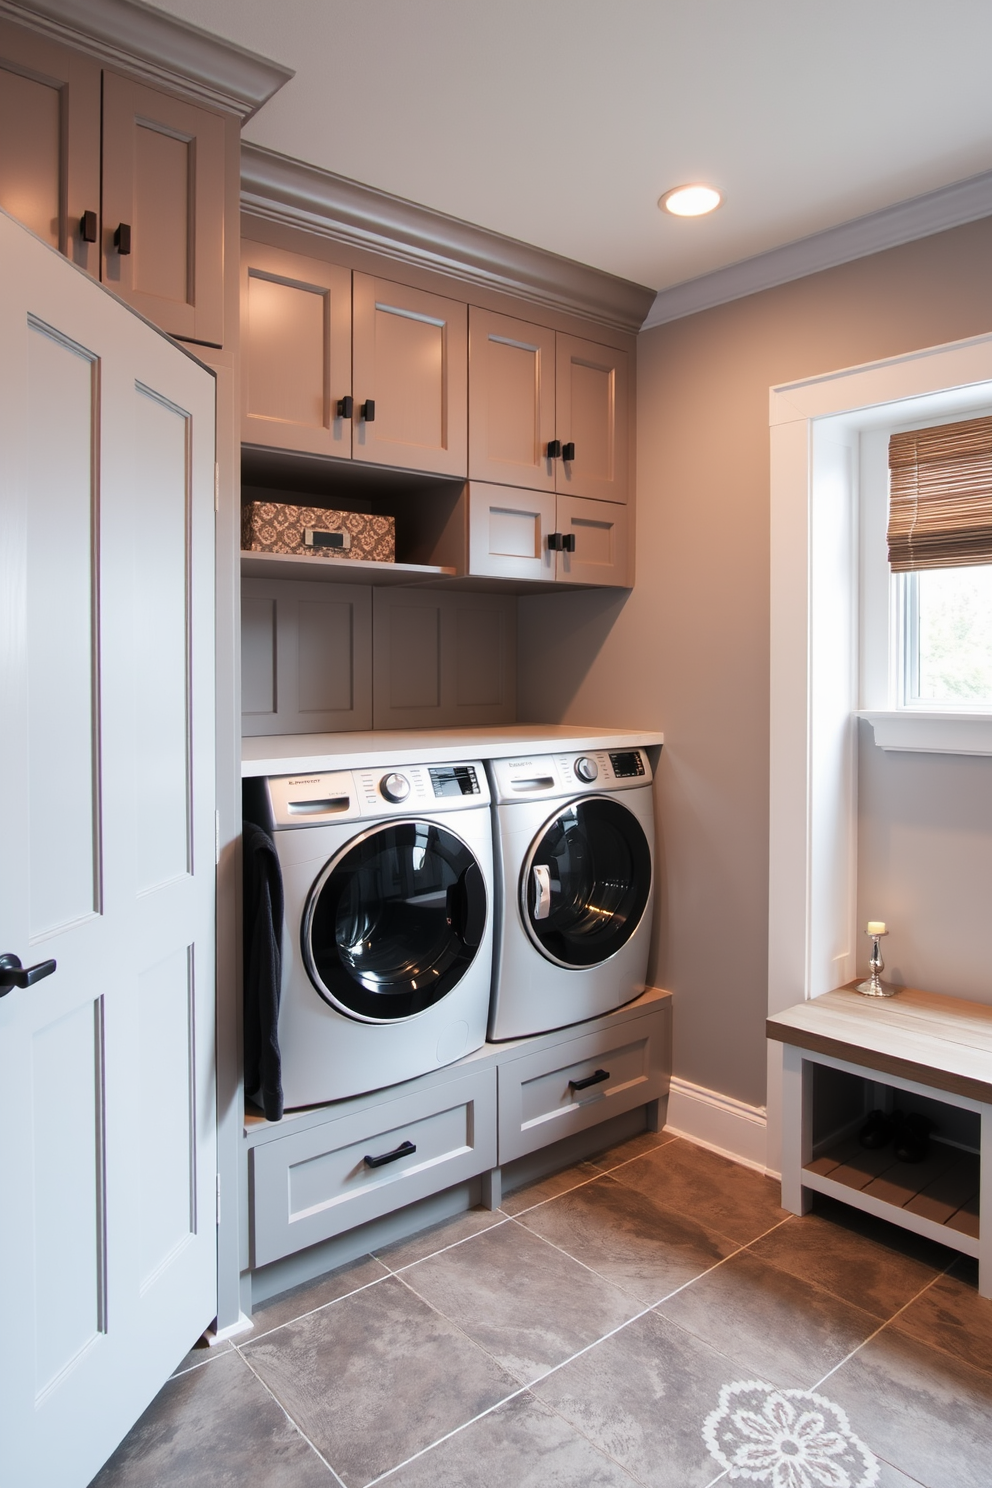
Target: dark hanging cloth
263,907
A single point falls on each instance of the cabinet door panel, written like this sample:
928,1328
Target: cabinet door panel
591,397
443,659
600,532
411,360
508,532
49,140
511,401
295,351
163,175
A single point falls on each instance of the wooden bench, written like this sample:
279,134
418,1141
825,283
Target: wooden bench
921,1044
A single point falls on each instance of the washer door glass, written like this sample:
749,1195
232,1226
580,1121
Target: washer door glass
393,923
586,883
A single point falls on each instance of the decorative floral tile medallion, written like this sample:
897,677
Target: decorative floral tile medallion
786,1439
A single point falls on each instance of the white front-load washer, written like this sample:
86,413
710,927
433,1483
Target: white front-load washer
388,925
575,873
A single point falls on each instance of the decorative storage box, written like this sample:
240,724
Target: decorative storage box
276,527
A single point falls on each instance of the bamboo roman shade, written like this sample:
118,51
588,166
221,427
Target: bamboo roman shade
940,496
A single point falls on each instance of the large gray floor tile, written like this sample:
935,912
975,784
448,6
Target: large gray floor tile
950,1315
376,1377
438,1237
643,1396
646,1141
716,1192
519,1445
288,1306
928,1414
215,1427
875,1266
628,1238
542,1189
520,1298
772,1324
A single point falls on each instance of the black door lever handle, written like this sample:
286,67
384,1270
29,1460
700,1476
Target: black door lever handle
13,974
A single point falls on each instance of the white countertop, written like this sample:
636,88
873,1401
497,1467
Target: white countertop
276,754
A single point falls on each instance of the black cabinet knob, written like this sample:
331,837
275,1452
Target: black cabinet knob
568,450
568,542
346,407
554,449
556,542
13,974
88,227
122,239
367,410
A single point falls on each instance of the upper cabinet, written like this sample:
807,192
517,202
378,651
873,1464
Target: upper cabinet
345,364
130,186
162,236
50,142
547,411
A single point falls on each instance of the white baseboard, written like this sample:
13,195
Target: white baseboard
214,1336
719,1122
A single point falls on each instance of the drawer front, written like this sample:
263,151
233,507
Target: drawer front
538,1100
314,1184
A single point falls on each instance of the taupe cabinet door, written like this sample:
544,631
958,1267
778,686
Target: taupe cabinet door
511,401
592,413
163,178
411,361
50,140
295,351
600,532
510,528
107,1163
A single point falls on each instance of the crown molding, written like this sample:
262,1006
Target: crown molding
919,217
291,192
158,48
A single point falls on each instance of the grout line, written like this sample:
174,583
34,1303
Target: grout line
294,1423
574,1259
447,1436
443,1248
313,1310
584,1183
636,1157
881,1327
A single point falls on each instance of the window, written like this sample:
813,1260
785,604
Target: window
945,621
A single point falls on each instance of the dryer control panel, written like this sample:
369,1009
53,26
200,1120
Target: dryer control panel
319,798
596,772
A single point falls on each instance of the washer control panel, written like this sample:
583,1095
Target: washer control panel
598,771
317,799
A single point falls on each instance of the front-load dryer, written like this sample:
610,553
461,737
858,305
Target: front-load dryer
387,940
575,870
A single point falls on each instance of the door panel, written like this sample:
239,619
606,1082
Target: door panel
296,351
511,401
601,542
50,140
411,361
163,176
108,1172
508,532
591,396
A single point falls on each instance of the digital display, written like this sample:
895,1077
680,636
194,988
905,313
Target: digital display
627,764
454,780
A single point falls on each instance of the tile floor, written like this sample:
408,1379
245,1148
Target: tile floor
648,1317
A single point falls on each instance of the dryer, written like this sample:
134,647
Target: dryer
388,924
574,843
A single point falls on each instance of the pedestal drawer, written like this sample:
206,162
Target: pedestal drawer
555,1091
312,1184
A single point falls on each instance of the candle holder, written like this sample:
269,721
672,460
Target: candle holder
874,986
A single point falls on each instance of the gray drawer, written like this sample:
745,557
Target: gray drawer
538,1103
312,1184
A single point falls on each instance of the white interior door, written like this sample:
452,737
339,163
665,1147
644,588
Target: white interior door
107,1167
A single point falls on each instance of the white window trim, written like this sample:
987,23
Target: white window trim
814,663
931,733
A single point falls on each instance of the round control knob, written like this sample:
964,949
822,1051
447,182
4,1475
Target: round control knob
394,787
586,768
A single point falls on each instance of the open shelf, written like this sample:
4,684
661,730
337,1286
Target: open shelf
339,570
937,1197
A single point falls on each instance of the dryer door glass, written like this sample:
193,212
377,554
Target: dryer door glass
394,922
586,883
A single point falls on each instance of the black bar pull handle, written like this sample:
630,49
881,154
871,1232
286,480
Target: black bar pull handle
568,450
596,1078
568,542
88,227
403,1150
122,239
554,449
556,542
13,974
346,407
367,410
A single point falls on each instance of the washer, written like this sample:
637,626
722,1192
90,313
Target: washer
387,940
575,868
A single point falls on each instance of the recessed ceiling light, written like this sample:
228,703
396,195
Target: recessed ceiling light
690,201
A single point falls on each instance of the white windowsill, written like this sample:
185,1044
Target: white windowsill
932,733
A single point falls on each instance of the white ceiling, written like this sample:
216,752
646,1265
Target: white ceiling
560,122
